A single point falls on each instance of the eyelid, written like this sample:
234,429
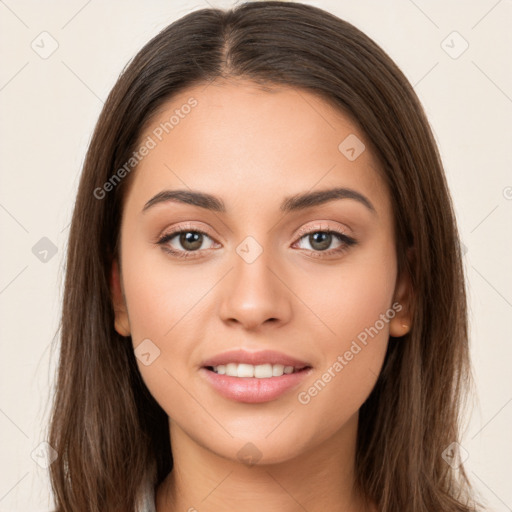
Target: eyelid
301,233
319,226
186,226
304,230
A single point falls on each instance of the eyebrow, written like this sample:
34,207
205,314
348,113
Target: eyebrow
296,202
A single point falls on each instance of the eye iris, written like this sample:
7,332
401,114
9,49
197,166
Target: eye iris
325,240
191,237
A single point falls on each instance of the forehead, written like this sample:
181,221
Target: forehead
234,139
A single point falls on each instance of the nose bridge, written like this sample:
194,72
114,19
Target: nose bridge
252,292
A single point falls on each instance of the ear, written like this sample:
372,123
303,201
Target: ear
122,324
401,323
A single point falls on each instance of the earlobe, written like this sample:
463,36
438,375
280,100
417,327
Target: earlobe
398,329
401,323
121,324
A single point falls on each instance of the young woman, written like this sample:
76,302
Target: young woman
264,303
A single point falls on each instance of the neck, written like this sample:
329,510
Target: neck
318,480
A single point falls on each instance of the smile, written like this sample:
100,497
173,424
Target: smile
261,371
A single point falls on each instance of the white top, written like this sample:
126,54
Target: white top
147,500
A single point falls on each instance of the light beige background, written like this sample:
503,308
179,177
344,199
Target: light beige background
48,110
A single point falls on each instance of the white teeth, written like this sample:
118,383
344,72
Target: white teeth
261,371
277,370
245,370
232,369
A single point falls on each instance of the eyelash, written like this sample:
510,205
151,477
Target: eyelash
342,237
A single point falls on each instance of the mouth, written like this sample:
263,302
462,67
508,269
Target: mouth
260,371
254,377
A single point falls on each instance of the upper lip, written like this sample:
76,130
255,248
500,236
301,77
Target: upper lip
255,358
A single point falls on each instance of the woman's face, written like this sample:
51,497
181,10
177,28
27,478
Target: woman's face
270,265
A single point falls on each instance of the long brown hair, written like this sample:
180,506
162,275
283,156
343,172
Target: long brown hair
109,432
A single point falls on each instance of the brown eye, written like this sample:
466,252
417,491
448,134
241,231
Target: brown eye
191,240
185,242
321,240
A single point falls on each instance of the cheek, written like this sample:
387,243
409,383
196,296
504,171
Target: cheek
163,304
163,297
354,304
342,301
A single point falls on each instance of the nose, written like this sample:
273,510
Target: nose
254,293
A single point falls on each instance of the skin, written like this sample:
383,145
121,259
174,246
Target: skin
253,148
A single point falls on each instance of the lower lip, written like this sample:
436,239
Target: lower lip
252,390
